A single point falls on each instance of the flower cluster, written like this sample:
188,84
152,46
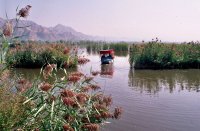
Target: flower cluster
95,73
45,86
48,70
91,127
23,85
82,60
67,127
8,29
24,12
66,51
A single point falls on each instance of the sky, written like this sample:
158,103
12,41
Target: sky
136,20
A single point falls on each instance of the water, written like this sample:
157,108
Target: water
152,100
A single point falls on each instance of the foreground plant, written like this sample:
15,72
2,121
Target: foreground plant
12,110
7,32
69,103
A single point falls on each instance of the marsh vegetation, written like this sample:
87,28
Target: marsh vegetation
154,55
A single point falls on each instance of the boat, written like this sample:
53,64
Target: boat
107,56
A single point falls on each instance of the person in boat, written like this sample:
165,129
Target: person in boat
110,56
106,57
103,57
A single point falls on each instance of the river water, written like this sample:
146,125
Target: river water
152,100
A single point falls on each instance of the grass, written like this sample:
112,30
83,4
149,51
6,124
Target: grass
165,56
37,55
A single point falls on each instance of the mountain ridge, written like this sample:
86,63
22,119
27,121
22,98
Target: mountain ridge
34,31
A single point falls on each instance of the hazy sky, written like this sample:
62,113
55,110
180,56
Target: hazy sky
170,20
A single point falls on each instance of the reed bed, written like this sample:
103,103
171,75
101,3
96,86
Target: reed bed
156,55
37,55
120,48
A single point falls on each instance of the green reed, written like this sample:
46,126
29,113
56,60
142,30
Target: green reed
165,56
120,48
37,55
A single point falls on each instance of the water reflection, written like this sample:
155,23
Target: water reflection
107,70
31,74
154,81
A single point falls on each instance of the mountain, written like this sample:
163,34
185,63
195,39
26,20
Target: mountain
33,31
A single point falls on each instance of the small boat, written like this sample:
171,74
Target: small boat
107,56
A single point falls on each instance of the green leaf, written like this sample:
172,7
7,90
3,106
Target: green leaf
41,108
52,109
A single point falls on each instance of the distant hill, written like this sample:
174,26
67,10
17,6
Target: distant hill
38,32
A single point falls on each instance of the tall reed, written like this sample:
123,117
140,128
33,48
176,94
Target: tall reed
165,56
37,55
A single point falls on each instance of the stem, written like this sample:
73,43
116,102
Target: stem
41,108
52,108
